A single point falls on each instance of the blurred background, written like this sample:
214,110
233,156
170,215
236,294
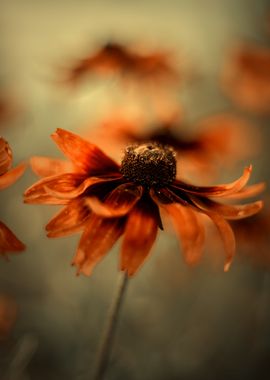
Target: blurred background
177,322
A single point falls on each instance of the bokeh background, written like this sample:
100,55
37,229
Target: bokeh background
176,322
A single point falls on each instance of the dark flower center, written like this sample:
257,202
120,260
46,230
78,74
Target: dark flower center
149,164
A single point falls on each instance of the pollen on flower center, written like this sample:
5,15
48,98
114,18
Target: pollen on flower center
149,164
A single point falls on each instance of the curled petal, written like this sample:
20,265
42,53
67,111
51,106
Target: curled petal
83,154
69,220
140,235
97,239
233,212
216,191
89,185
12,175
45,166
5,156
118,203
248,191
8,241
189,230
43,190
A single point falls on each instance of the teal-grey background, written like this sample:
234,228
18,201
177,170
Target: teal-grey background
177,322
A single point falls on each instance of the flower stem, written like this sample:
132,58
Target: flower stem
105,348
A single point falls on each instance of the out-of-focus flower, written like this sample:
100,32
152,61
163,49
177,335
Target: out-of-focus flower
8,241
106,200
218,140
114,58
246,77
8,315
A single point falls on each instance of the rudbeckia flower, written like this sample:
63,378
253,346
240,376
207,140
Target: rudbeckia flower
106,200
8,241
215,141
114,58
246,78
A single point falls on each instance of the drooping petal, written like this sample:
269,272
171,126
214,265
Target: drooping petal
140,235
45,166
69,220
8,241
232,212
118,203
189,230
41,191
12,176
227,236
216,191
97,239
84,155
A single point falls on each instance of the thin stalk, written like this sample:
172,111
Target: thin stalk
107,338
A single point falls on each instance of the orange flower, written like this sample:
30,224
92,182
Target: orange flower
106,200
221,139
114,58
8,241
246,78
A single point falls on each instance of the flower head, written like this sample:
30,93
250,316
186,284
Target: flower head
106,200
114,58
8,241
220,140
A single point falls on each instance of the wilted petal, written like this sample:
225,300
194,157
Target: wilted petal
97,239
45,166
12,175
41,191
69,220
118,203
8,241
216,191
140,235
189,230
83,154
230,211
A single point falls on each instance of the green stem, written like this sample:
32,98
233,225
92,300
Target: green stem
105,348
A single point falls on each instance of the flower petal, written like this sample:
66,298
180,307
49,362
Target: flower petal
189,230
83,154
45,166
140,235
43,190
216,191
8,241
69,220
5,156
118,203
248,191
91,184
230,211
227,236
12,175
97,239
